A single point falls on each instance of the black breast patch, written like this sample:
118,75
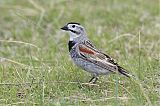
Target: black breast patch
71,44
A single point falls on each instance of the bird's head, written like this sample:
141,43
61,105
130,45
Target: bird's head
75,30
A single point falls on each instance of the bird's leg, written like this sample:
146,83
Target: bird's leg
93,79
96,78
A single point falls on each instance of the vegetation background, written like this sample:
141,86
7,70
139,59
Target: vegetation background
35,67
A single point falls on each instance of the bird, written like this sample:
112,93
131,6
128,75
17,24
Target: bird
86,56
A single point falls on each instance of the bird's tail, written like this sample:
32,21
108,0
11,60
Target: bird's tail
124,72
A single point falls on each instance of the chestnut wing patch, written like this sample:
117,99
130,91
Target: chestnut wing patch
86,50
98,58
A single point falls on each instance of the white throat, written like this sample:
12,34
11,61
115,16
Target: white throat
73,36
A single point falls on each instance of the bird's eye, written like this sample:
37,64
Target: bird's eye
73,26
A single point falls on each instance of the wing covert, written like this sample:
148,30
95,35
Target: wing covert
91,54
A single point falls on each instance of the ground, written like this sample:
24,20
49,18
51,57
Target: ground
35,66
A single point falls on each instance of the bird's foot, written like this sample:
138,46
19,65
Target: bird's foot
93,80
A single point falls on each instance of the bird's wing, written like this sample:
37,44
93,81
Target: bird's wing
88,52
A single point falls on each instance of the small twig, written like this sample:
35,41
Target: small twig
140,85
95,100
36,5
29,83
20,42
120,36
12,61
40,8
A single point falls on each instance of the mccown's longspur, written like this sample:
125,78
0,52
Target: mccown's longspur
87,56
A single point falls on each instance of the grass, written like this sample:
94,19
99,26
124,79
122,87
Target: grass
35,65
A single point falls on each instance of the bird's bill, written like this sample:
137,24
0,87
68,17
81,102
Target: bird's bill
65,28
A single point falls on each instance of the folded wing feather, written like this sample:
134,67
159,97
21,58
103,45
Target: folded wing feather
91,54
